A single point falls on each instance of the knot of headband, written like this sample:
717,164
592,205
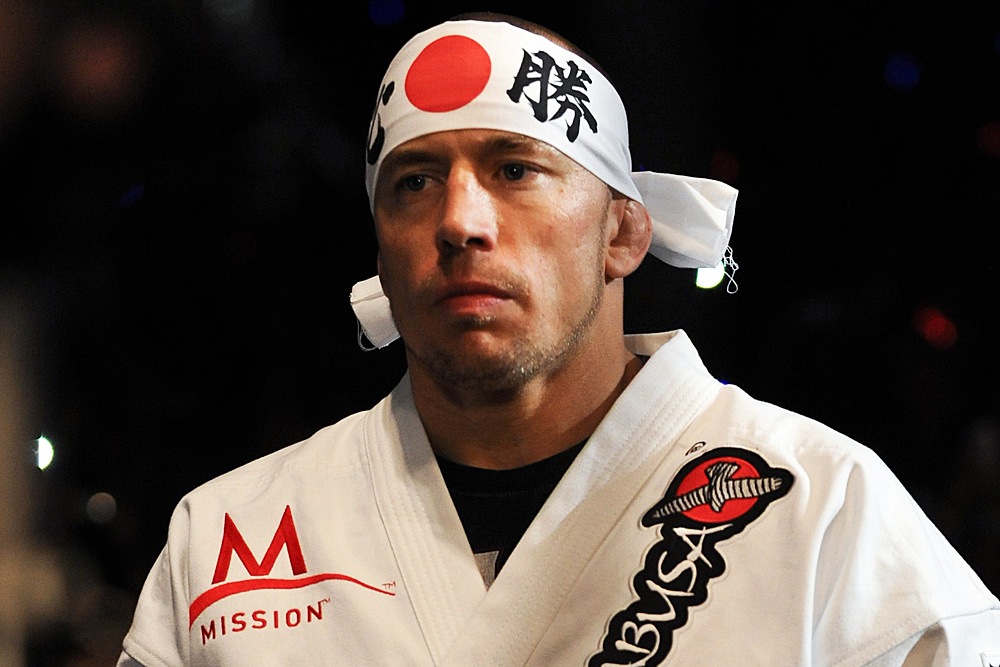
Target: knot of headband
495,76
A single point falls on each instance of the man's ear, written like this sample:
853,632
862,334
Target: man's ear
629,243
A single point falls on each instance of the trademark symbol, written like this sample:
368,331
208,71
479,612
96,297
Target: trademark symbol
698,446
389,585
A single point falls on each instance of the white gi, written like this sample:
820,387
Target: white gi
697,527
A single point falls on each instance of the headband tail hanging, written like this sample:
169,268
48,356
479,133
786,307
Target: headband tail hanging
371,307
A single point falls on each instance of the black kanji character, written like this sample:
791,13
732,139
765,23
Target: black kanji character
375,145
565,86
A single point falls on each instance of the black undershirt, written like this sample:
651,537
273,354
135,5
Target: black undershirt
497,506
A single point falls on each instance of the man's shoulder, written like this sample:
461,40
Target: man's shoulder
335,449
744,416
733,416
788,438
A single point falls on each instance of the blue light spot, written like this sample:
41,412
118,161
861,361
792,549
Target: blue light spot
902,73
386,12
132,196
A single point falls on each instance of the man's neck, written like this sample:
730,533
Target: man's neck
546,416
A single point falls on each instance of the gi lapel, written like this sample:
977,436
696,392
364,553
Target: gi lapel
438,569
635,436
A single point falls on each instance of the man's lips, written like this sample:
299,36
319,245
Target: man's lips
471,297
472,289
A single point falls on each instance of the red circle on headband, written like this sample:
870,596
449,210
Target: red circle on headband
448,74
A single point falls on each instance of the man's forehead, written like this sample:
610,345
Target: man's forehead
474,141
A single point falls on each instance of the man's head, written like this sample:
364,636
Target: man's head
499,252
503,80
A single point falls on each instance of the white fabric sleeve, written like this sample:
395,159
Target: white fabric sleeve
125,660
158,636
972,640
886,576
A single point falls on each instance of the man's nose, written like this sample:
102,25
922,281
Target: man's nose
469,218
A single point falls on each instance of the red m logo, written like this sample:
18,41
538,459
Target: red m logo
284,536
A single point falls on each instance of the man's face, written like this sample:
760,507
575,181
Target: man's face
492,254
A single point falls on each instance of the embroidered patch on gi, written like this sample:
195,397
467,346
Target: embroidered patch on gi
285,539
711,499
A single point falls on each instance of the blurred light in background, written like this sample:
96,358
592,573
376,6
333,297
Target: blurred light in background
19,30
935,328
988,139
709,278
132,196
101,67
232,13
386,12
902,73
102,508
44,452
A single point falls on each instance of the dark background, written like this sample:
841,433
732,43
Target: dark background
183,215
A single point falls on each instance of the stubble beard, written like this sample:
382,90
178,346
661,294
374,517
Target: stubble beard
525,359
513,367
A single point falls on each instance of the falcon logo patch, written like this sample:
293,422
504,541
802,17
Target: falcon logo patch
711,499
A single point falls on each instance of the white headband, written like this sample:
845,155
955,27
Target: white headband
495,76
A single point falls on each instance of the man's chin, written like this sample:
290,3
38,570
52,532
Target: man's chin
493,366
481,366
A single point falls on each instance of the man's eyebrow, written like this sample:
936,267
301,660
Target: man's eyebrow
516,143
401,158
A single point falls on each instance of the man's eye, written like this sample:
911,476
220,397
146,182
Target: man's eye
513,172
414,183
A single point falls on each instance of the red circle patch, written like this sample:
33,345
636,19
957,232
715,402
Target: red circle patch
448,74
732,508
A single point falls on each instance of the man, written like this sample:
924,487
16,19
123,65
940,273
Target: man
540,489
